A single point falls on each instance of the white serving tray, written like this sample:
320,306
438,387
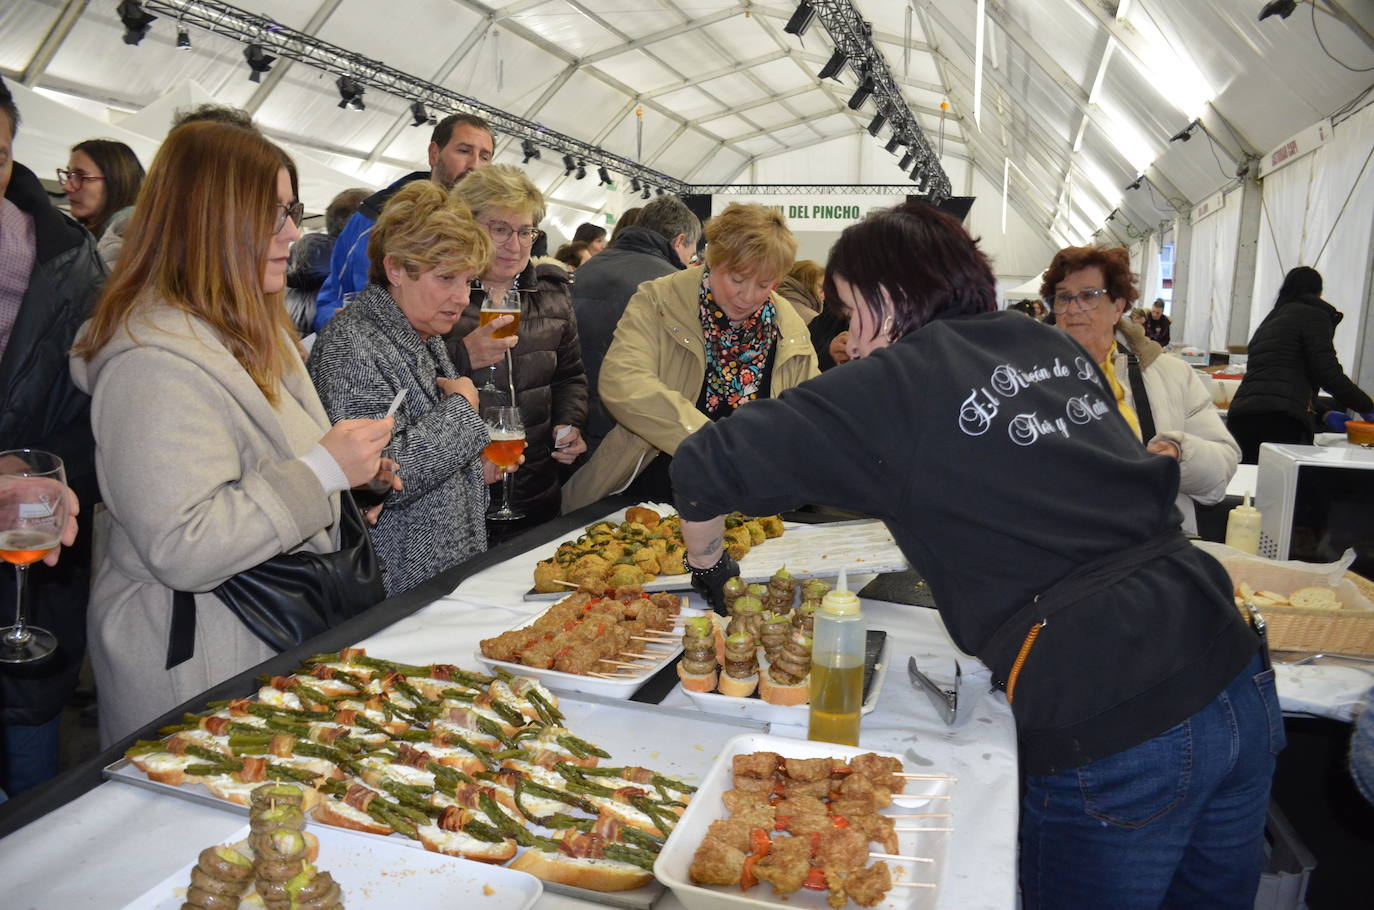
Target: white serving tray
706,806
382,875
806,550
760,710
595,685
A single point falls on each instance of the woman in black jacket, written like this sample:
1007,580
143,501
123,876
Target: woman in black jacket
1291,356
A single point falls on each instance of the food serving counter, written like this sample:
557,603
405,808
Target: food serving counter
82,842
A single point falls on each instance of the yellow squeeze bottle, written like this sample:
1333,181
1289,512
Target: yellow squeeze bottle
837,668
1243,527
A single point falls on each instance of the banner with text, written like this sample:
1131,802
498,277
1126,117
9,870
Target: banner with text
832,213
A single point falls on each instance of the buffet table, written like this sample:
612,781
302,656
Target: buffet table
82,842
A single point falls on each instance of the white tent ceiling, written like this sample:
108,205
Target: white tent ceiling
1078,97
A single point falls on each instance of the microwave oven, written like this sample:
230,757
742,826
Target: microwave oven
1317,502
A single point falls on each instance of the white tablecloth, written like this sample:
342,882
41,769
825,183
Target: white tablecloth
107,847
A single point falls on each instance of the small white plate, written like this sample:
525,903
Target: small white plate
373,873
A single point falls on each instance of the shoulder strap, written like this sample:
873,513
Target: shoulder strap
181,638
1141,399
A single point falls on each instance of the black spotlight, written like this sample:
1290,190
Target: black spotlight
581,169
569,165
136,22
1136,184
418,115
183,38
1281,8
645,194
906,160
834,65
259,61
1184,134
800,20
893,144
603,177
875,125
658,191
350,94
529,149
861,94
634,184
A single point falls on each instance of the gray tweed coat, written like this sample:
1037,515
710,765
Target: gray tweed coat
365,355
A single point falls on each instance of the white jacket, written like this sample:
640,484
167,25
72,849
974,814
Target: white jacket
1184,414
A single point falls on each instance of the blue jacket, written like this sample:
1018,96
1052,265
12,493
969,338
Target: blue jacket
348,264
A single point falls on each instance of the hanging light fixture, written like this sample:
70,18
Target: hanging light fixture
800,20
645,194
569,165
183,38
581,169
350,94
418,115
893,144
603,177
259,61
861,94
529,149
906,160
136,22
875,125
834,65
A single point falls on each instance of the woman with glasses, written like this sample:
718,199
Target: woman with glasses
1147,723
425,250
1166,403
212,449
102,179
550,383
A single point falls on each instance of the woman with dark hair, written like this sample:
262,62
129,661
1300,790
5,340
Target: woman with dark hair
102,179
1146,718
1291,357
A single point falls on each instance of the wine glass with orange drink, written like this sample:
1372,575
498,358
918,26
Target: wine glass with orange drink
33,514
493,308
507,444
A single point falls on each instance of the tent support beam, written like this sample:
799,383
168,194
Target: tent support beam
1247,252
52,42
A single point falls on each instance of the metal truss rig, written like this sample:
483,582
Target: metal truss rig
275,38
852,37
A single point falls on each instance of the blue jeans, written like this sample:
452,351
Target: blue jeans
28,755
1177,821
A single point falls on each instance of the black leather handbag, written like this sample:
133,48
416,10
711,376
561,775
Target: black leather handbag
292,597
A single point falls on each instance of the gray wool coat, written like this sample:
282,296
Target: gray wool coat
202,478
365,355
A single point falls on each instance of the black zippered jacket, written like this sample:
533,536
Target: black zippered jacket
936,435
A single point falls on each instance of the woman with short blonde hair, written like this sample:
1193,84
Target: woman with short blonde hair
213,452
692,348
425,251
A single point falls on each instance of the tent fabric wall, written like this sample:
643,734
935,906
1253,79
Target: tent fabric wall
1212,262
1147,267
1302,203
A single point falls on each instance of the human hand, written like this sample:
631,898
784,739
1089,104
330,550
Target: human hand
839,348
710,583
569,446
69,530
483,350
491,472
461,386
373,514
1165,447
9,507
1335,421
356,445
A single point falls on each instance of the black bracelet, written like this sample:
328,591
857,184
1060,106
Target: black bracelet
704,573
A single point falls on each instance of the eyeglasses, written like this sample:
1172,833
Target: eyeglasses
295,211
500,233
75,179
1087,300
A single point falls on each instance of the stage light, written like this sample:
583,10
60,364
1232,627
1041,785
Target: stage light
569,165
259,61
906,160
529,149
350,94
834,65
875,125
603,177
634,184
136,22
861,94
183,38
658,191
800,20
645,194
581,169
893,144
1184,134
1281,8
418,115
1135,185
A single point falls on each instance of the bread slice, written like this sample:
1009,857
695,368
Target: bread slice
697,682
456,843
340,814
1315,598
778,694
592,874
740,688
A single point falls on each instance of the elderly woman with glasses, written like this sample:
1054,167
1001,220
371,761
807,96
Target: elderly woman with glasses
550,383
693,348
1165,401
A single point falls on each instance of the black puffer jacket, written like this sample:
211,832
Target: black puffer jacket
1290,357
549,380
604,285
41,409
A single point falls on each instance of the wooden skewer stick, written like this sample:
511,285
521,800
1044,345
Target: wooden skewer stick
646,654
619,663
905,859
897,828
614,675
913,885
566,584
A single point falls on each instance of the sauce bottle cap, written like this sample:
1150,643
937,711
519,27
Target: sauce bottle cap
841,601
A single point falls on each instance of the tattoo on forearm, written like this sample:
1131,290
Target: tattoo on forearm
715,545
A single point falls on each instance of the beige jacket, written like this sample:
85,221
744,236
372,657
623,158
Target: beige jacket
201,479
653,374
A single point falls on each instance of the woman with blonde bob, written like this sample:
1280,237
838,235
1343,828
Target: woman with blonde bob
212,449
692,348
425,250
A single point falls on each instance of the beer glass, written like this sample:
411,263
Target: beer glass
491,309
33,512
507,444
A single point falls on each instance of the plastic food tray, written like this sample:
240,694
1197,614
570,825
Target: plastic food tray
676,856
596,685
383,875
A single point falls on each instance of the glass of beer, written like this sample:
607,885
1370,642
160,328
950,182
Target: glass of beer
507,444
491,309
33,512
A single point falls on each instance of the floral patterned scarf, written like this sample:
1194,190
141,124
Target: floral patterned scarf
736,356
